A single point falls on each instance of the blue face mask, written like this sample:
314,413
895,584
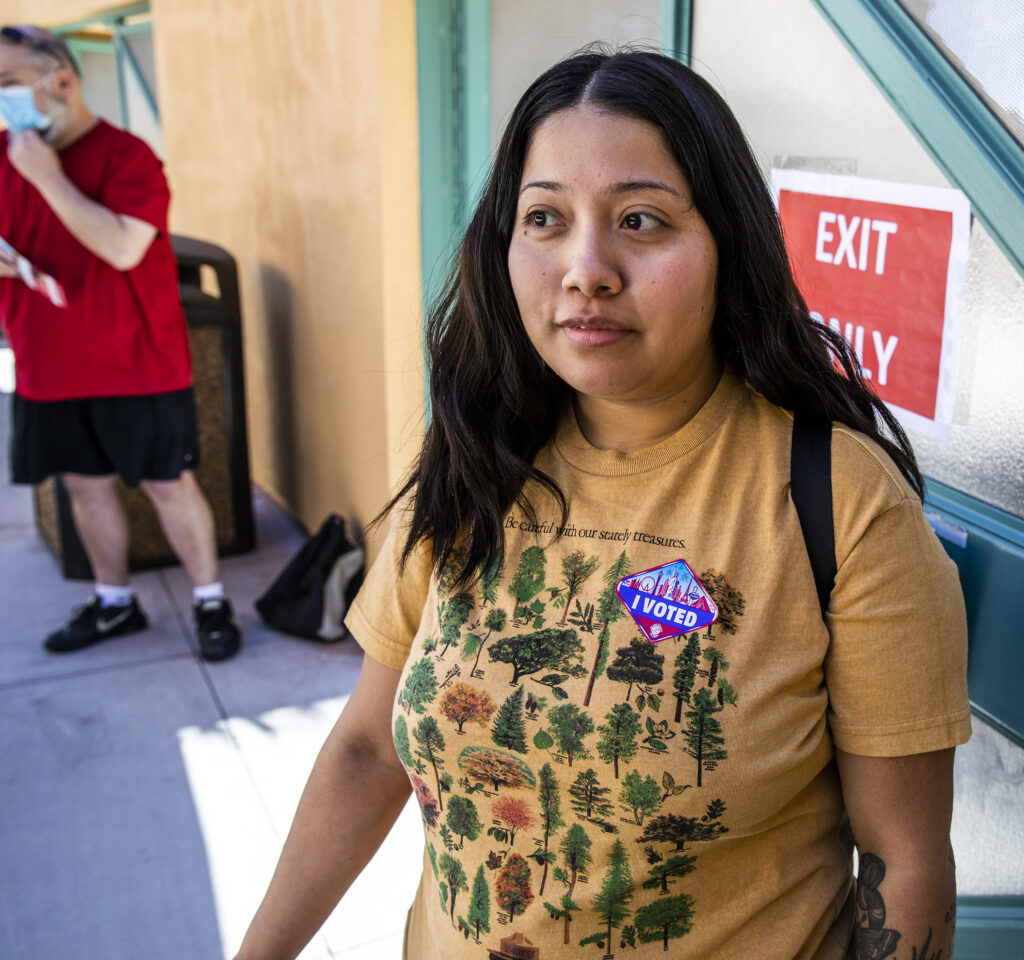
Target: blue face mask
19,111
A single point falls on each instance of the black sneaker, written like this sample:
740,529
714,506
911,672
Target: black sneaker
219,636
92,623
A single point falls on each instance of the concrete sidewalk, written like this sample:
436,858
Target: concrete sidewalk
145,794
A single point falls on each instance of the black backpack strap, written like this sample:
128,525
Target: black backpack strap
810,474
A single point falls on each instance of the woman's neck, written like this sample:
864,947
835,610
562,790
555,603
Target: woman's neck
629,425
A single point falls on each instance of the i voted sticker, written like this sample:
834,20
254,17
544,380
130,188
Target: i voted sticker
667,601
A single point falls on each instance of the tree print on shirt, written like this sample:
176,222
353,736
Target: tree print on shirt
639,663
428,802
640,795
704,740
727,598
452,616
490,574
513,814
478,917
590,800
665,919
618,736
402,748
577,569
685,674
463,820
550,817
420,687
495,620
509,725
575,850
678,831
512,887
548,649
462,703
611,905
570,727
496,767
609,610
527,582
716,661
430,746
455,876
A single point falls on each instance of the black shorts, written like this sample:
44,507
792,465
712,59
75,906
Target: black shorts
150,437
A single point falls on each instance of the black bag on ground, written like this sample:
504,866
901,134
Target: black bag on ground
312,594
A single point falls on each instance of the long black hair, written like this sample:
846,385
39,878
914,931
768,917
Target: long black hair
494,403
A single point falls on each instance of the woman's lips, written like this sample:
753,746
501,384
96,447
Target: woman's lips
589,333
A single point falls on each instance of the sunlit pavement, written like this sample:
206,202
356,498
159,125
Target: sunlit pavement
145,794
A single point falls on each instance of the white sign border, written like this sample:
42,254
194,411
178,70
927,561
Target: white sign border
923,197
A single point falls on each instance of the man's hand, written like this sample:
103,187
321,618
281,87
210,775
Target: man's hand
33,158
7,268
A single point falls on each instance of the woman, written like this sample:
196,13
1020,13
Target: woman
614,367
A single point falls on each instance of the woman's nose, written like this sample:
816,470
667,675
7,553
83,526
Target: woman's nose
592,269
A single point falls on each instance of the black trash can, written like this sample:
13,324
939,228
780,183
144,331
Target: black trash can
208,283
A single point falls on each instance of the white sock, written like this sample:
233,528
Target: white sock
113,596
211,591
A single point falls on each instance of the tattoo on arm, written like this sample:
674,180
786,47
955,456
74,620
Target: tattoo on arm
874,941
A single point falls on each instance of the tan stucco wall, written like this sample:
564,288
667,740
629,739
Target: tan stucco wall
290,138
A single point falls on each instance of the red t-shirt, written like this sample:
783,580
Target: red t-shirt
122,333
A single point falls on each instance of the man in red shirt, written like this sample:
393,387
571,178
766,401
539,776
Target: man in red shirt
89,302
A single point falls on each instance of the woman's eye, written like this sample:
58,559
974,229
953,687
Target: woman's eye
538,218
640,221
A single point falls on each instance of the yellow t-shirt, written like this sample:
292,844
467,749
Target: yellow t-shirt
588,793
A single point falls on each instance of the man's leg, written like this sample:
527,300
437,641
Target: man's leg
187,522
103,529
102,525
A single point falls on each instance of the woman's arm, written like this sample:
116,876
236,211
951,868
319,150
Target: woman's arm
900,810
355,793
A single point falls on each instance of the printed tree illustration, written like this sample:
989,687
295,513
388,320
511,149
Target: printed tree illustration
534,705
664,870
612,901
704,740
489,574
496,767
618,733
640,662
495,620
577,569
550,817
402,747
569,727
640,795
726,694
686,672
575,850
452,871
527,582
453,616
588,796
609,609
678,831
547,649
462,819
716,661
431,748
729,600
512,886
515,813
478,917
426,800
509,725
462,703
420,687
665,919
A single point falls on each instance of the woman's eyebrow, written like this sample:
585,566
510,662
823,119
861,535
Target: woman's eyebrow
626,186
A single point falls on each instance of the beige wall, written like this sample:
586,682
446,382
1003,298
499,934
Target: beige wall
290,135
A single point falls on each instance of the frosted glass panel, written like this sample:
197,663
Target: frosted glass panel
985,42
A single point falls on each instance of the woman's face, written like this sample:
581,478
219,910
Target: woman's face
612,266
